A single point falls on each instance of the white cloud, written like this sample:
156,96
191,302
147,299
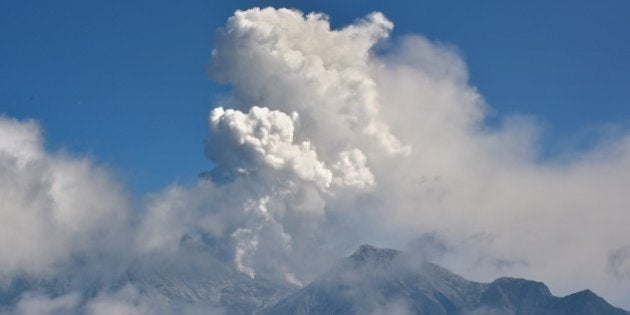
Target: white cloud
52,206
126,301
40,304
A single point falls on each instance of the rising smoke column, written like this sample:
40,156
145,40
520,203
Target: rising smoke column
308,115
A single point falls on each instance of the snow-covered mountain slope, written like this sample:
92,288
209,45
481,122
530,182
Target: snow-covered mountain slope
170,284
386,281
370,281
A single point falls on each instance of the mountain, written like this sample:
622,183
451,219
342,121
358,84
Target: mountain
189,279
204,280
370,281
386,281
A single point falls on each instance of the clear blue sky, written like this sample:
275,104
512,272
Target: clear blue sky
124,81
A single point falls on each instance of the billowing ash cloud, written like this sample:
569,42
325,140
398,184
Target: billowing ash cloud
325,145
402,133
289,62
263,138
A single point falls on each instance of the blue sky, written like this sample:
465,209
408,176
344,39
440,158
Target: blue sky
125,83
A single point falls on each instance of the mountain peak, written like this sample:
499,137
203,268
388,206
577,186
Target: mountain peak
368,253
587,302
521,287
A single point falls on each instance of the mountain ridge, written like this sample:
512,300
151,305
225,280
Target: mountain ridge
374,280
371,280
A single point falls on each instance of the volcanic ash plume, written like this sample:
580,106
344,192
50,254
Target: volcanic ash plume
308,117
333,144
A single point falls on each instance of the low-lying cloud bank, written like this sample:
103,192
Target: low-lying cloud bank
323,145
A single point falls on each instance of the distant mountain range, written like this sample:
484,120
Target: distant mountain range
370,281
